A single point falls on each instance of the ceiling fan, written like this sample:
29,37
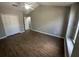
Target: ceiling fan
26,5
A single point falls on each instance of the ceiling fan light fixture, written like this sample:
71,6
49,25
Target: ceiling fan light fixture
27,6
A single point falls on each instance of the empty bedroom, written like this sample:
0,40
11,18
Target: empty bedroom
39,29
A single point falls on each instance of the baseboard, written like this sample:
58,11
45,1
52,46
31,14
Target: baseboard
22,31
12,34
47,33
3,37
39,32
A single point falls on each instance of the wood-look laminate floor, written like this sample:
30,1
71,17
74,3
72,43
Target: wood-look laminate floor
32,44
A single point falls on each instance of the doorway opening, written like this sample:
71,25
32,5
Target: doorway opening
27,21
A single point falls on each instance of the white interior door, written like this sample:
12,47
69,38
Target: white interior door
11,24
27,22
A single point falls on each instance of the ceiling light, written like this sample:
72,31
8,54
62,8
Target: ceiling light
27,6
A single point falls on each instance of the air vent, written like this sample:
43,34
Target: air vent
18,4
14,5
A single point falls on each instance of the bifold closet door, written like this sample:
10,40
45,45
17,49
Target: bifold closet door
11,24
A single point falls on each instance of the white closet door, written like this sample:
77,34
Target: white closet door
11,24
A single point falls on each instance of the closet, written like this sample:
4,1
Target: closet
10,23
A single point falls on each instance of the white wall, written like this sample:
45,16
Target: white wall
49,19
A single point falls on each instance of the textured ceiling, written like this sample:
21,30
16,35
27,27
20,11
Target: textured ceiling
18,6
56,3
21,5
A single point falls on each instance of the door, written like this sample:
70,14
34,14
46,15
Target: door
11,24
27,21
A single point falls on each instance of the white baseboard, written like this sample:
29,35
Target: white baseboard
39,32
22,31
3,37
47,33
10,35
